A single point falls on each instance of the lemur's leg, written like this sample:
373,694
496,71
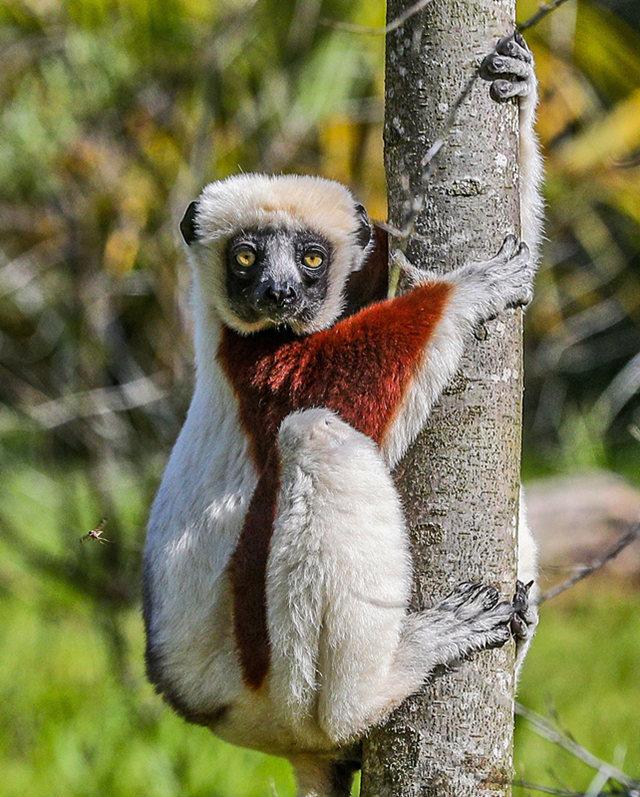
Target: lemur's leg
344,651
480,291
511,70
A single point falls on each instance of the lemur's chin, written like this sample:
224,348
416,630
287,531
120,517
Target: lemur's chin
262,322
296,320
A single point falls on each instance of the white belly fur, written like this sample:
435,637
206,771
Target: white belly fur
193,529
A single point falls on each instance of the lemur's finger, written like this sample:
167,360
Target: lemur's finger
509,45
519,628
480,330
521,596
496,64
503,90
519,39
508,247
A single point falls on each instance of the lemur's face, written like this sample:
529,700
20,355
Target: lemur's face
277,275
275,250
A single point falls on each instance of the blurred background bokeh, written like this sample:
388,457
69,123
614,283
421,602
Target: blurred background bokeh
113,114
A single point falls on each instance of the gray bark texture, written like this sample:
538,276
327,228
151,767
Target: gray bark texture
460,480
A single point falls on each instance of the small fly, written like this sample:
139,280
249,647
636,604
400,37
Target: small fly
96,533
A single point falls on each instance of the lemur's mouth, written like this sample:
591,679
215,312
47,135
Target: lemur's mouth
282,314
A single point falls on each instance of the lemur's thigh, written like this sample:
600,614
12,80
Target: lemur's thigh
338,576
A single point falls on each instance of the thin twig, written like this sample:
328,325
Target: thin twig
523,784
396,23
587,570
546,730
541,13
597,784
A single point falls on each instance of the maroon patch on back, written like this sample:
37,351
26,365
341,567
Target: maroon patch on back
360,368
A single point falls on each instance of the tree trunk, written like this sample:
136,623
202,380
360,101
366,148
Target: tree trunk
460,480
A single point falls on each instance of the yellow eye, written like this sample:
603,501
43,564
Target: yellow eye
245,257
313,260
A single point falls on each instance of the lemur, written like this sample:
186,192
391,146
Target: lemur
277,571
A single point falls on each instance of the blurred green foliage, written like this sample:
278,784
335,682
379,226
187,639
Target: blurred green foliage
113,114
80,720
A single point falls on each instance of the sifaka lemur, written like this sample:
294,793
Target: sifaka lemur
277,571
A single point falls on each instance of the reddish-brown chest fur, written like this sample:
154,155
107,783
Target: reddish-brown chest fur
361,369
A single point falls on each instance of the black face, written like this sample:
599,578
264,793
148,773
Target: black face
277,275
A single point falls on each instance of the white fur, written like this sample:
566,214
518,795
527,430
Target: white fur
527,572
344,649
339,578
193,529
531,171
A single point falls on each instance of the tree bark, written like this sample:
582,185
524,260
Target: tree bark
460,480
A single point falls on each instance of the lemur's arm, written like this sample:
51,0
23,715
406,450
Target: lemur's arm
477,292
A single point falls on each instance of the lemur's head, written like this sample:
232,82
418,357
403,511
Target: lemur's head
276,250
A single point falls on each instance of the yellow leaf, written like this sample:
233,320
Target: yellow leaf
120,251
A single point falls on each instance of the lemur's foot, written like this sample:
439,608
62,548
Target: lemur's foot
510,70
503,282
525,614
471,618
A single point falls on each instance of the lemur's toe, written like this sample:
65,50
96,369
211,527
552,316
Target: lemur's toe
509,68
465,592
495,65
508,248
524,616
514,46
498,637
471,601
503,90
519,629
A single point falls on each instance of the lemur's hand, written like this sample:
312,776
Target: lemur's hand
510,70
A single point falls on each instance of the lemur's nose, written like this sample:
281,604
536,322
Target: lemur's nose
280,294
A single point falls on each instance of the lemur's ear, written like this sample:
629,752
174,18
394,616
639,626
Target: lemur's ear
188,224
365,229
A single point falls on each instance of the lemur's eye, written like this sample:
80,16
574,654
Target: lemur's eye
245,257
313,259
